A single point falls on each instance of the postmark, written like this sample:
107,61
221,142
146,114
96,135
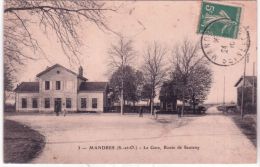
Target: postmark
224,51
228,20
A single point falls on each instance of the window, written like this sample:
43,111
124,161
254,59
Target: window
34,103
47,85
24,103
57,85
68,102
94,103
83,103
47,103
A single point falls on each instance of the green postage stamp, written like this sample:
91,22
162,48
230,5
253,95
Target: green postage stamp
219,20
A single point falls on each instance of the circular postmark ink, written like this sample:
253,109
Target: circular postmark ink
223,51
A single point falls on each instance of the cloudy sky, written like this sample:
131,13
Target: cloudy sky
144,22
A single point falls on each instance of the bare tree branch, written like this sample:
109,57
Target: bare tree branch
190,73
121,56
59,18
154,68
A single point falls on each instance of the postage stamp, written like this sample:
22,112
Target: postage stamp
226,19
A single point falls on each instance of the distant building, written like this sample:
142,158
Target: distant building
59,88
250,90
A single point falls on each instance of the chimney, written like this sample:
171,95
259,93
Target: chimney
80,71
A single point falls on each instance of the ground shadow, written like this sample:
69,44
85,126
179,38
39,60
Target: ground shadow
21,143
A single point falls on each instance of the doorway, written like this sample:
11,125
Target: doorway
57,105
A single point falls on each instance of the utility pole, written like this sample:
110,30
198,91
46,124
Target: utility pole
253,87
224,91
217,95
243,91
122,88
243,87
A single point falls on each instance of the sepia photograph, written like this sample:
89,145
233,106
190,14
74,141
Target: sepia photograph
129,82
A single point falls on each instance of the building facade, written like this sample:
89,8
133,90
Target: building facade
59,88
250,90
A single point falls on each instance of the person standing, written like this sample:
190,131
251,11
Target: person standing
179,112
56,110
64,110
141,112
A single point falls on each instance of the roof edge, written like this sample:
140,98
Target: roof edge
239,80
18,91
58,65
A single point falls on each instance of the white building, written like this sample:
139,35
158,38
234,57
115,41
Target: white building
59,88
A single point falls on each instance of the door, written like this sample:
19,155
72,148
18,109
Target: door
57,105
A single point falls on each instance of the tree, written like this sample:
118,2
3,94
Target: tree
121,56
60,18
9,79
191,73
199,84
168,92
132,85
139,82
146,93
154,69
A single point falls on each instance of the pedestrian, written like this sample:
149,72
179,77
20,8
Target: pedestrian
179,112
64,110
141,112
56,111
156,114
57,114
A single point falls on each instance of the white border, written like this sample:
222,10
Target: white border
124,165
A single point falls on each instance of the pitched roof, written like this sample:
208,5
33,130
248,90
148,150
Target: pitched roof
58,65
28,87
250,79
93,86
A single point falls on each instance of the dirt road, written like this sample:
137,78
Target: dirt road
91,138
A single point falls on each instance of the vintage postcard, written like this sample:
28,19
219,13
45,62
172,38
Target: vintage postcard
130,82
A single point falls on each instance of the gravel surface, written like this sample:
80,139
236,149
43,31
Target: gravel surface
111,138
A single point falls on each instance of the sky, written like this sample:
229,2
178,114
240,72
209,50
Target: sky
144,22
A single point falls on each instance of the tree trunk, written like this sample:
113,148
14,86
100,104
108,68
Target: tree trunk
4,97
183,103
193,105
133,109
152,102
122,99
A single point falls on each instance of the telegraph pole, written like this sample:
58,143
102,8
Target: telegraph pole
224,93
224,90
253,88
243,87
217,96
